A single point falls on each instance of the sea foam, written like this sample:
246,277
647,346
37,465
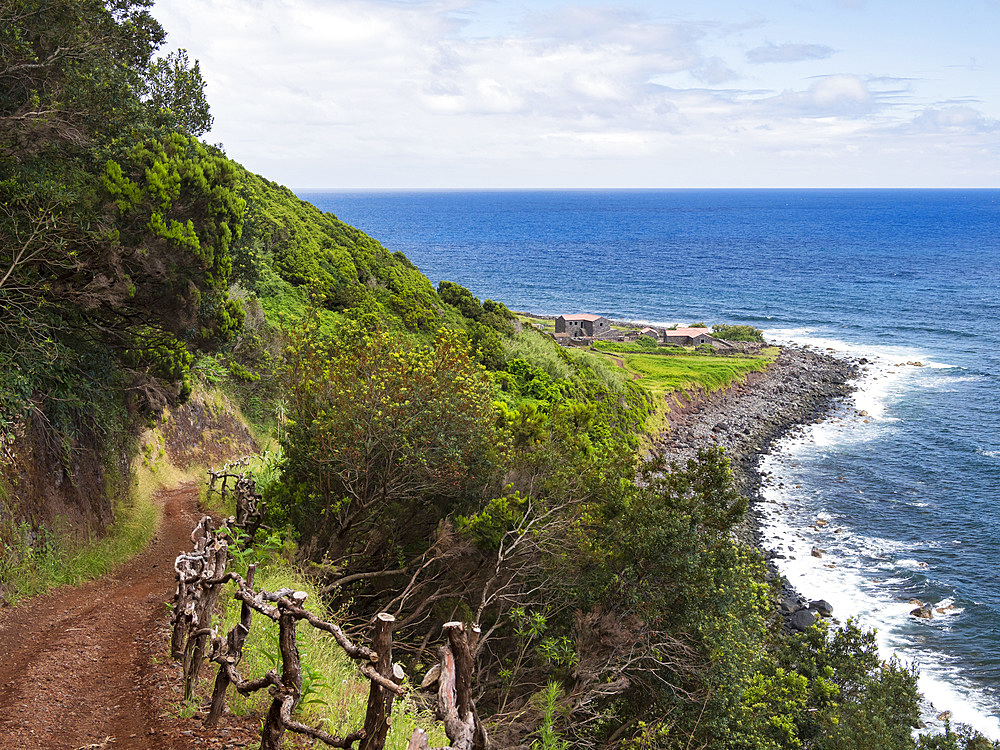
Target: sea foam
864,576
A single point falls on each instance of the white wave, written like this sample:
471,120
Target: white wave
911,564
843,571
886,355
947,691
843,574
988,453
852,594
947,607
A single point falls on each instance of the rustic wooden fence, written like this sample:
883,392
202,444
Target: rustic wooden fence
201,573
249,507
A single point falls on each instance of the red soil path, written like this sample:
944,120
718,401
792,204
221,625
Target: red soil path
87,666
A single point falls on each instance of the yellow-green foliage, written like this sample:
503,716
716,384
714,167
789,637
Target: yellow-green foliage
663,375
291,248
335,694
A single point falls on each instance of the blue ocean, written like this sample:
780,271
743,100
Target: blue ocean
906,476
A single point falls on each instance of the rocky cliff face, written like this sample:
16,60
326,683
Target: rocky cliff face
203,432
79,495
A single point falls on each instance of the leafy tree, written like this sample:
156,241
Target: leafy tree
71,73
380,429
855,699
176,92
492,314
737,333
115,226
460,297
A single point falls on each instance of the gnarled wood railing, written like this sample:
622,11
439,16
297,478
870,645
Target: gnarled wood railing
201,574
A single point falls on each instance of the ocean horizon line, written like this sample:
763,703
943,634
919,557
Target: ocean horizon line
814,189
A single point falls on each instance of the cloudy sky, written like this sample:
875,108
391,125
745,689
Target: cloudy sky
635,93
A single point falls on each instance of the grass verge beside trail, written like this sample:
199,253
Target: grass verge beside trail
334,694
58,559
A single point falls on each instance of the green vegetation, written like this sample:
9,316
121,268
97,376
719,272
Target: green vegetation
737,333
430,461
545,324
291,250
643,344
662,375
663,370
57,557
333,692
419,420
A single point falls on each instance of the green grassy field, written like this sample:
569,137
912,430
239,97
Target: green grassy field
642,347
546,324
662,375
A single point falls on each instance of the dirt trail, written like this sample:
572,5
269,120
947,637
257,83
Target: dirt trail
77,665
621,364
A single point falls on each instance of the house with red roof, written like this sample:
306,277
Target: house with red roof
689,336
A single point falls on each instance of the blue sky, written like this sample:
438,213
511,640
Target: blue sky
495,94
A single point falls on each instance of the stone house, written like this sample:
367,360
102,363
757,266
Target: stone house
583,326
689,337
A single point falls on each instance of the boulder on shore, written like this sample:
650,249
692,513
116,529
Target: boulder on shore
789,604
926,612
802,620
822,607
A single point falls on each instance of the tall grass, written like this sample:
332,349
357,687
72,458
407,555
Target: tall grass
613,376
666,374
562,362
539,350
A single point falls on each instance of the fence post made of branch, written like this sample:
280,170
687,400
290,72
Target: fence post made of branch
200,576
455,705
249,507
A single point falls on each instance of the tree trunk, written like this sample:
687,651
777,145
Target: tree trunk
455,688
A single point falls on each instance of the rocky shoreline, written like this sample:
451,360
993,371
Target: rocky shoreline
802,386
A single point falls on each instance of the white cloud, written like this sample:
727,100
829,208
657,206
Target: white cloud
424,92
952,121
836,95
786,53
